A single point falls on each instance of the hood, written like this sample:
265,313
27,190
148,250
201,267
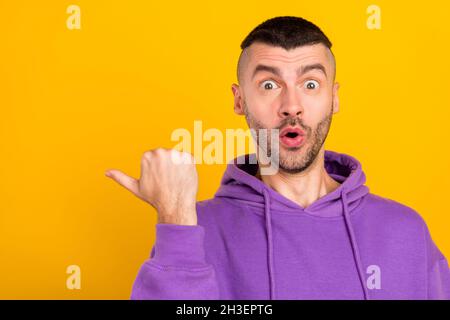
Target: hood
239,183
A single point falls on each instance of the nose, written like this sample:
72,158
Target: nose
291,105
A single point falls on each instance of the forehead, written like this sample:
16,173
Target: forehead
260,53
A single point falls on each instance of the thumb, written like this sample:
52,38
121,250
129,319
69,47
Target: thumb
125,181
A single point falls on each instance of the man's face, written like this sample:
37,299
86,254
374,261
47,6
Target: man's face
293,89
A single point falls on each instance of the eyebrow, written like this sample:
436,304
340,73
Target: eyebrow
301,71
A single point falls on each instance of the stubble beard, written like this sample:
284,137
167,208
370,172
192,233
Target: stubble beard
297,159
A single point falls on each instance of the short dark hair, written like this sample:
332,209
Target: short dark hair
287,32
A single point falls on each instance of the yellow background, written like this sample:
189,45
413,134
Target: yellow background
77,102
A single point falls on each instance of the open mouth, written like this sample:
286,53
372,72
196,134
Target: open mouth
292,137
291,134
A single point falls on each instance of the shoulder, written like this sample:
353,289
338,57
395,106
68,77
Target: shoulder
212,204
391,213
217,208
220,203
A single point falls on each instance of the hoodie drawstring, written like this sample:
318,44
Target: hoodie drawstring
355,249
269,244
351,233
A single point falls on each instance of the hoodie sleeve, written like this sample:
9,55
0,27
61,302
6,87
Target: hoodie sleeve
177,267
438,272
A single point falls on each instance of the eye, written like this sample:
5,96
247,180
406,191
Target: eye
311,84
269,85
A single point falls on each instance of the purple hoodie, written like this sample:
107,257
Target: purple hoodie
253,243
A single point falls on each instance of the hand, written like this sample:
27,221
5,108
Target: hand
168,182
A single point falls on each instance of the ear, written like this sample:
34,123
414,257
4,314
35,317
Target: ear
335,97
238,99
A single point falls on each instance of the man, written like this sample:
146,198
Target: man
312,230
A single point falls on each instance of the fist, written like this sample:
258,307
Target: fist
168,182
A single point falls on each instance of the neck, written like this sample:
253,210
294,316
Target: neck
304,187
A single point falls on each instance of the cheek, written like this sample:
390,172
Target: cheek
316,106
263,115
262,107
263,104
